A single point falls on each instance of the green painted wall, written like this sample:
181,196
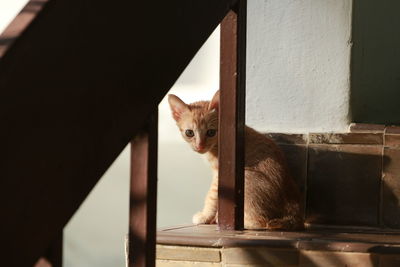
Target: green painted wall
375,62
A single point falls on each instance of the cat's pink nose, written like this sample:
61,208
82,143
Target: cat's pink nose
200,147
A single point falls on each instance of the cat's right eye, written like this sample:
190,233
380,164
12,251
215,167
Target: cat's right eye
211,132
189,133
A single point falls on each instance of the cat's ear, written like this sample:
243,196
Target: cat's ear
177,106
214,104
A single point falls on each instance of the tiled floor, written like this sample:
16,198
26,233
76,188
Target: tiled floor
205,245
323,239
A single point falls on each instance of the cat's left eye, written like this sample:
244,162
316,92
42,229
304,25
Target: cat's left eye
189,133
211,132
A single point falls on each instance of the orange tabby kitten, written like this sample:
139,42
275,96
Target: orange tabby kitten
272,199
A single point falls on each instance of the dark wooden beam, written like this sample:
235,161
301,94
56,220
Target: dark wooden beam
232,118
143,196
75,83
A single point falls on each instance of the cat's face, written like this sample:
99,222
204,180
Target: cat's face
197,122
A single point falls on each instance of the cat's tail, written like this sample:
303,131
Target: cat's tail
286,223
293,218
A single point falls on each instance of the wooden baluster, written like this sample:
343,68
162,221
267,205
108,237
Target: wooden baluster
143,196
231,118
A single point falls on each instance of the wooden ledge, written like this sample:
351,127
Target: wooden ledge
321,239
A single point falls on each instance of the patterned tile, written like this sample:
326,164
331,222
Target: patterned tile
337,259
391,188
343,184
260,255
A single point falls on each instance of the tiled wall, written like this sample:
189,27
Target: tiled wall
350,179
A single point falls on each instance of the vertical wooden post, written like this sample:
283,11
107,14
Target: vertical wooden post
231,119
55,251
143,196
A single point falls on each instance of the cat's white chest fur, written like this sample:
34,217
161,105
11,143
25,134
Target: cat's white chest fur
211,159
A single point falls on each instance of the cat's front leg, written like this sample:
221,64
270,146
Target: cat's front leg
209,212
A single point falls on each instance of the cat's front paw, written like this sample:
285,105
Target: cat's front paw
201,218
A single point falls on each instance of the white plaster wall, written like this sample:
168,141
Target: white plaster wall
298,65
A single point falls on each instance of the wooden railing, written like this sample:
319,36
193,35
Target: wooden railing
73,96
142,223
